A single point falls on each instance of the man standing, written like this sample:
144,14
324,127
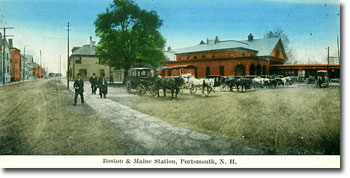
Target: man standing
79,90
103,85
93,82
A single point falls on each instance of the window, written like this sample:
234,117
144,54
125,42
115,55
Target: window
208,71
195,57
222,70
277,52
188,57
243,54
203,57
214,56
102,72
83,72
180,58
78,60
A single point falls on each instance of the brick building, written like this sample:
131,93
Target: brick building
227,58
16,66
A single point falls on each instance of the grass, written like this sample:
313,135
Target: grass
300,120
38,118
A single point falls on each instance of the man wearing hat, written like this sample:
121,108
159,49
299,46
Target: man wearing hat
93,82
79,90
103,85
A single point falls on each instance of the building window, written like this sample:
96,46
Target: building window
78,61
180,58
243,54
203,57
222,70
102,72
207,71
277,52
195,57
188,57
83,72
214,56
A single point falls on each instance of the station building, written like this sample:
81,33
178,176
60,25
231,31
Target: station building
251,57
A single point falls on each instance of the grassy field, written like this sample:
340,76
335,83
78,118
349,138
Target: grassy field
38,118
298,120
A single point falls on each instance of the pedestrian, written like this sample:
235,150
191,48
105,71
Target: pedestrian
102,83
93,82
79,90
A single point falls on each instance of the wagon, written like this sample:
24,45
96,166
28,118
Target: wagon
322,79
141,80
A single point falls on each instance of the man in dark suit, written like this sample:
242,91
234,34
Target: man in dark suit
93,82
79,90
102,84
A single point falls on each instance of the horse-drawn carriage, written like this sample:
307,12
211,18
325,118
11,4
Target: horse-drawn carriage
322,79
141,80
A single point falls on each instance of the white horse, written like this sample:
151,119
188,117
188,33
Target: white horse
194,83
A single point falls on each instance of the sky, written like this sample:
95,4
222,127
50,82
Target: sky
41,25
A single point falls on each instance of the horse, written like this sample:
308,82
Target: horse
193,83
173,84
245,83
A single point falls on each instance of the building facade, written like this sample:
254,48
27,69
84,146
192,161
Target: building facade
229,58
85,62
16,65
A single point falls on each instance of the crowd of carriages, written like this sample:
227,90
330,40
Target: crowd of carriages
243,83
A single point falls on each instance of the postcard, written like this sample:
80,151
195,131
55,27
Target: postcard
170,83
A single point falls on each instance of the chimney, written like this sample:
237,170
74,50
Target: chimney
216,39
250,37
10,43
91,42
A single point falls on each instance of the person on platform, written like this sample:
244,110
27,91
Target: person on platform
93,82
79,90
102,83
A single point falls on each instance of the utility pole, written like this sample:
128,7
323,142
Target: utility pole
68,57
338,48
3,56
60,69
24,62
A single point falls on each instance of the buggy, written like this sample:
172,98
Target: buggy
141,80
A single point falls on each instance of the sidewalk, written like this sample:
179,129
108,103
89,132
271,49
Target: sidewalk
145,135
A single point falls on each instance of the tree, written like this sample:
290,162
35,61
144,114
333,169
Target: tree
129,36
279,33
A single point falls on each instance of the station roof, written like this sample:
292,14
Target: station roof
262,47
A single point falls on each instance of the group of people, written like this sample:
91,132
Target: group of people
95,82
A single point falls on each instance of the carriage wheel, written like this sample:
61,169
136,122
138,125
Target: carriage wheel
223,87
153,90
128,87
181,91
193,90
141,90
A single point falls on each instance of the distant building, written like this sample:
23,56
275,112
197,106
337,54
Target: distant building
334,60
85,62
16,64
6,60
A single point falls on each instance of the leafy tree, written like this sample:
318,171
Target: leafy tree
129,36
279,33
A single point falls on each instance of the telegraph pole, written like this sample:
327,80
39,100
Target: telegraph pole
3,56
60,69
338,48
68,57
24,62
